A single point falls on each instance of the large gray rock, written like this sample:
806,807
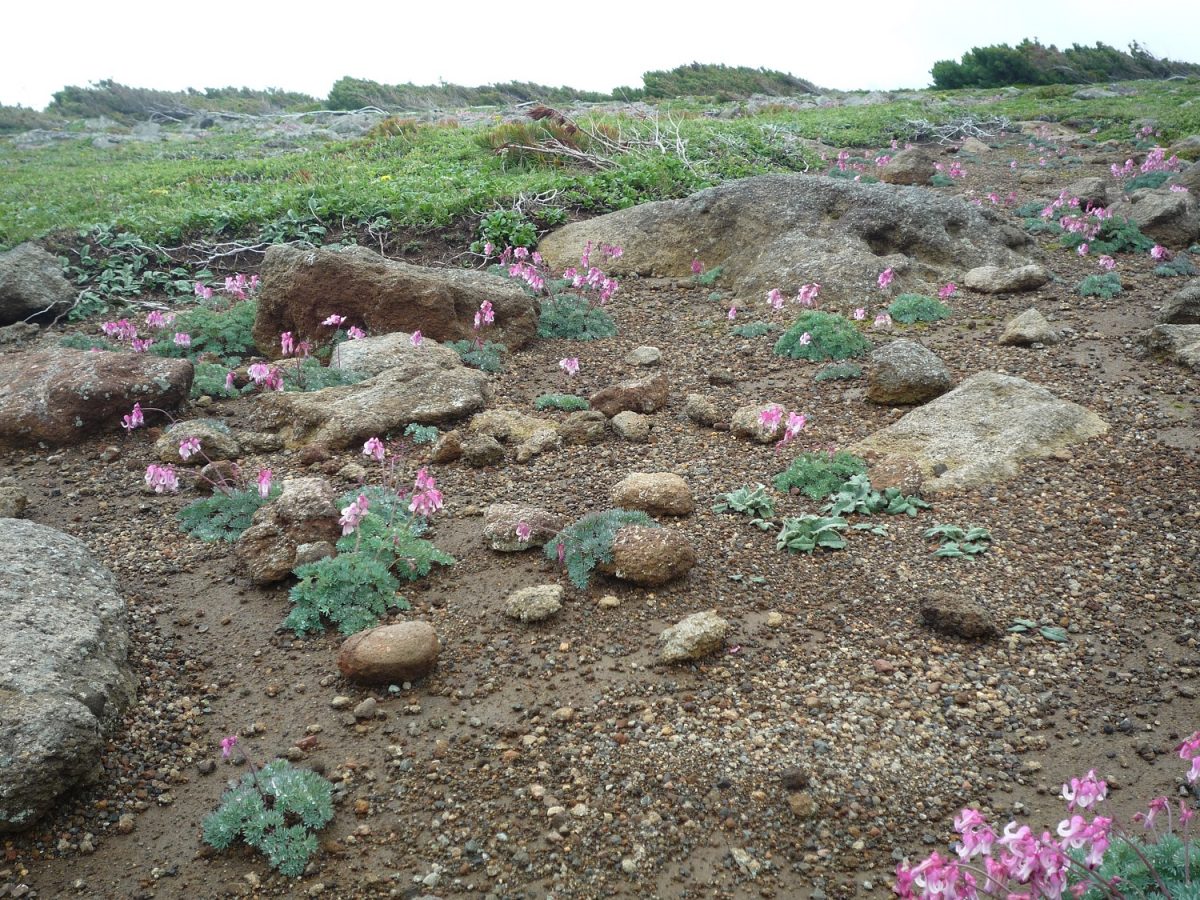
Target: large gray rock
429,391
64,676
301,288
999,280
64,396
1184,307
781,231
1170,217
904,372
1179,342
31,282
372,355
979,432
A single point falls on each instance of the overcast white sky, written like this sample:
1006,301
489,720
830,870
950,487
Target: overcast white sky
306,46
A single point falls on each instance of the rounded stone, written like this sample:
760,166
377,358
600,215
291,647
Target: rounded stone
390,654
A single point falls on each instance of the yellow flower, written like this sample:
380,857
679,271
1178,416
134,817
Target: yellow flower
385,177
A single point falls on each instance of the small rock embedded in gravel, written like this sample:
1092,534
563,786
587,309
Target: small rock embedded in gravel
701,410
774,619
126,823
534,604
747,423
802,805
609,601
1030,327
643,395
995,280
644,356
482,450
366,709
958,616
632,427
583,427
649,556
390,653
501,521
904,372
13,502
694,637
656,493
206,767
341,701
448,448
793,779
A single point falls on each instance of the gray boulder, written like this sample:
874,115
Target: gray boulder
534,604
781,231
1092,190
904,372
1170,217
64,675
372,355
1189,178
980,432
31,282
1029,327
1180,343
999,280
1184,307
631,426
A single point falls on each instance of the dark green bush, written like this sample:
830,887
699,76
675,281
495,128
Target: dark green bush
838,372
574,318
909,309
832,337
1114,236
818,474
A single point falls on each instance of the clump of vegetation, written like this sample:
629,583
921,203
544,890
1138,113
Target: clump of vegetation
574,318
485,357
720,81
1107,286
504,228
830,336
808,532
956,542
819,474
753,329
940,180
839,372
562,402
1114,236
421,434
224,515
857,497
909,309
1179,266
588,542
275,810
753,502
309,375
708,277
1145,180
357,93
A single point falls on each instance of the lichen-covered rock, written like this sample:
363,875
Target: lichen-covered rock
1180,342
502,520
32,282
390,654
656,493
701,410
998,280
1183,308
1170,217
1029,327
748,423
911,166
631,426
372,355
534,604
584,427
649,556
217,442
482,450
905,372
305,512
693,638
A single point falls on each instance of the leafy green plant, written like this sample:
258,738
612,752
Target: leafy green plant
752,329
224,515
485,358
421,434
819,474
957,543
563,402
708,277
1107,286
1049,632
226,333
209,381
1114,236
830,337
1145,180
588,542
275,810
114,263
356,588
940,180
753,502
808,532
309,375
857,496
1043,226
1179,266
909,309
504,228
839,372
574,318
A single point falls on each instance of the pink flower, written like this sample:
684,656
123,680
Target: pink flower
883,320
1082,249
860,313
1085,792
229,381
204,293
885,278
1160,253
134,419
486,315
334,320
427,501
1157,805
1107,263
155,319
769,417
732,314
488,249
353,514
264,483
807,295
188,446
258,372
569,364
1179,188
977,835
274,380
287,343
805,339
356,333
697,267
374,448
183,339
524,532
140,346
775,298
795,424
227,745
161,478
416,338
425,481
947,290
1185,813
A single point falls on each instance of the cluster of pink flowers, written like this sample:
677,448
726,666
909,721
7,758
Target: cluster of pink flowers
1160,253
374,448
885,278
806,296
947,290
161,478
289,346
427,499
189,447
531,269
570,365
771,417
240,286
134,419
485,315
883,320
1179,188
954,170
1107,263
333,320
267,377
124,330
264,483
352,515
1156,161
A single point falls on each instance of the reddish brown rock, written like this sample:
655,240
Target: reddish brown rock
304,513
389,654
650,556
642,395
301,288
657,493
65,396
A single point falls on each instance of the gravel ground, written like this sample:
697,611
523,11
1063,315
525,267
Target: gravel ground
836,733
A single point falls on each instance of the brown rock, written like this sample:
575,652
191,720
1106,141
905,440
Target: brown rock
701,410
300,288
500,522
392,654
956,615
896,472
304,513
650,556
642,395
64,396
905,372
657,493
912,166
448,448
583,427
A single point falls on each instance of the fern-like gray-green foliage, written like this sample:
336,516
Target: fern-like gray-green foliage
356,588
1171,862
752,329
564,402
857,496
574,318
275,810
1179,266
839,372
832,337
808,532
1107,286
908,309
486,358
1114,236
421,434
223,516
309,375
209,381
228,333
818,474
588,542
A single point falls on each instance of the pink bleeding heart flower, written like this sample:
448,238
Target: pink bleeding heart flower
570,365
355,333
334,320
374,448
188,447
416,338
134,419
264,483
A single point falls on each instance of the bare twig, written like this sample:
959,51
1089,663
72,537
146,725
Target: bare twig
958,129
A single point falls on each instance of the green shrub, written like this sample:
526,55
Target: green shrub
421,434
909,309
1107,286
86,342
1179,266
223,516
1115,236
1146,180
574,318
588,542
209,381
504,228
563,402
356,588
956,542
832,337
1043,226
818,474
309,375
839,372
940,180
486,358
274,809
226,333
808,532
708,278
